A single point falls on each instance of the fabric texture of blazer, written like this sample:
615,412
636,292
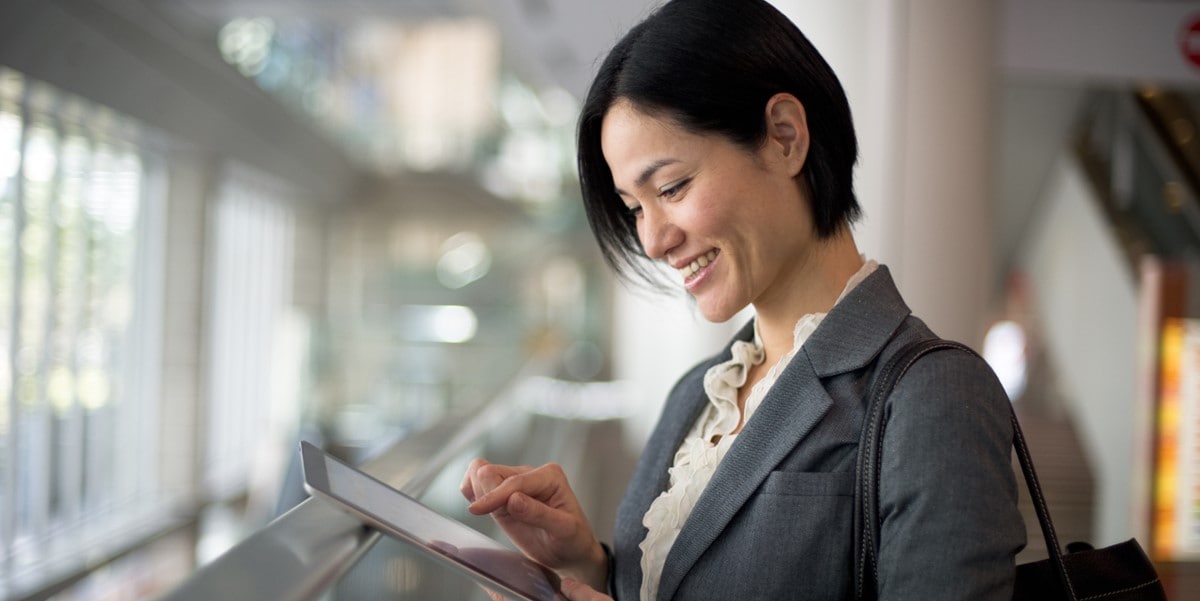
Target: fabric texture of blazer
775,521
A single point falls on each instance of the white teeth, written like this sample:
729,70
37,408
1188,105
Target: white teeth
700,263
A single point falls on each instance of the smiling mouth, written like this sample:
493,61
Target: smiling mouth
689,270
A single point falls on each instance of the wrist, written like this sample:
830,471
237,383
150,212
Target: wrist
592,571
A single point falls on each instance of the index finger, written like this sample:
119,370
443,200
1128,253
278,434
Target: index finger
467,487
483,477
533,483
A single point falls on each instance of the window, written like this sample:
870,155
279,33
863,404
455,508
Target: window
79,190
249,411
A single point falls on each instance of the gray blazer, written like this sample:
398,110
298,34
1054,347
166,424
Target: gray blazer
775,521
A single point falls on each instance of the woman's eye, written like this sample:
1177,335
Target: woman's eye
674,189
635,211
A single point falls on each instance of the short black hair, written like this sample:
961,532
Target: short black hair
710,66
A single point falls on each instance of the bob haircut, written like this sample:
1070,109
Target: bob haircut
710,66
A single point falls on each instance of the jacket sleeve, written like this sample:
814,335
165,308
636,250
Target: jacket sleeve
950,524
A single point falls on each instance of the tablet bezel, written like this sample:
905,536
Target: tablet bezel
314,462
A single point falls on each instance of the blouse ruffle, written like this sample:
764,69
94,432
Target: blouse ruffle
711,436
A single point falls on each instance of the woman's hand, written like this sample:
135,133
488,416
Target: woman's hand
571,590
578,591
537,509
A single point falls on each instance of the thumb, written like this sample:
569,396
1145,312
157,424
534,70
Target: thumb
578,591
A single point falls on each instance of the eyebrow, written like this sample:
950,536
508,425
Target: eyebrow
647,173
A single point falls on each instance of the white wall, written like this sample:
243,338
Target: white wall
920,76
1104,40
1085,302
656,338
859,39
191,179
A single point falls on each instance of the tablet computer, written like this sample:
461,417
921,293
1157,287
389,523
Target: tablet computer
445,539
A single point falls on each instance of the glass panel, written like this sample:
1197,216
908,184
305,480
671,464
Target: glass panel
72,425
110,209
252,266
38,179
121,224
69,292
11,87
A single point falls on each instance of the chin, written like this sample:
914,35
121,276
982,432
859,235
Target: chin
718,313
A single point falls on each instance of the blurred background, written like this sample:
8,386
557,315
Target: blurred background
228,226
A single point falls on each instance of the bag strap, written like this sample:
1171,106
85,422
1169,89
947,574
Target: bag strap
870,451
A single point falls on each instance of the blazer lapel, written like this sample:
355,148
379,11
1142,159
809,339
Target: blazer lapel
675,423
651,477
778,425
682,410
849,338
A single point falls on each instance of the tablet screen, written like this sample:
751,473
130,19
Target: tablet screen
403,517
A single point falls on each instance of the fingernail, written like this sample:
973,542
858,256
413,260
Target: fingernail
517,502
474,506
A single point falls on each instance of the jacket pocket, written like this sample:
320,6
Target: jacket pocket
808,484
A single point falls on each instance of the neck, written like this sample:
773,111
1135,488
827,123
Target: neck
814,288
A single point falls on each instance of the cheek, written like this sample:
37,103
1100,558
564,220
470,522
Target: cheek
722,219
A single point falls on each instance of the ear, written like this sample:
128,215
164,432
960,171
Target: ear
787,132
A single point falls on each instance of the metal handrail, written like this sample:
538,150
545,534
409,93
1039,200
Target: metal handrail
301,554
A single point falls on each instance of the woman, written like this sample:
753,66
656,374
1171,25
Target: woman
716,139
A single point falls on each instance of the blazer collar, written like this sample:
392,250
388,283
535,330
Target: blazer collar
853,333
858,327
849,338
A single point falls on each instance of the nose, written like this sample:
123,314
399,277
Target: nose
658,233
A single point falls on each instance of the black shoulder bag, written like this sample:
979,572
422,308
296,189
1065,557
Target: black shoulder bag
1121,572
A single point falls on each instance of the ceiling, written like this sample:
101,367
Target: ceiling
546,42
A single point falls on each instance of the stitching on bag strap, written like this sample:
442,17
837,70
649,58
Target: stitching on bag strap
1124,590
878,425
869,480
867,552
1035,491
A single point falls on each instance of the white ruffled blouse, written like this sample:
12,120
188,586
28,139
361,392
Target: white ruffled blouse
698,456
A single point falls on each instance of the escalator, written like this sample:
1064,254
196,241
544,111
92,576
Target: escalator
1113,264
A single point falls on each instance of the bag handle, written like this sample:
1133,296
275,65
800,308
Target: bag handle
870,451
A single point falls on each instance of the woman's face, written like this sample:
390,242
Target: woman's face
733,223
